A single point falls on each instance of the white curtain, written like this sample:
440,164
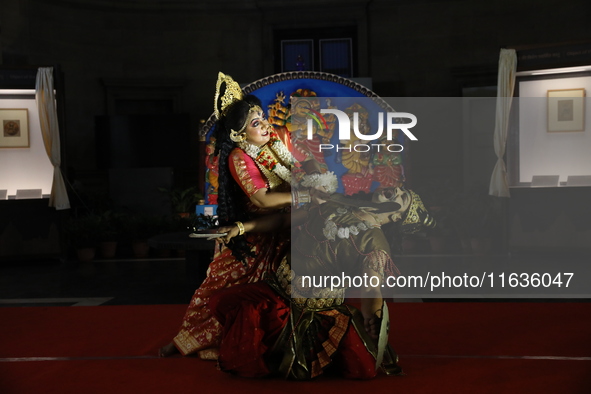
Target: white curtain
45,98
499,185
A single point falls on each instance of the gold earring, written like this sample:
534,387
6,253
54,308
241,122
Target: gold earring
237,136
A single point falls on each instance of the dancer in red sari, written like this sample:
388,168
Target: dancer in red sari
255,169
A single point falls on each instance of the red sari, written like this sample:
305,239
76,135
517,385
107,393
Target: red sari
259,331
281,327
200,330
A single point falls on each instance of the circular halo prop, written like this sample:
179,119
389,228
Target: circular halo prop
362,171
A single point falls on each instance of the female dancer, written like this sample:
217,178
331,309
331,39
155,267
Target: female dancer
255,170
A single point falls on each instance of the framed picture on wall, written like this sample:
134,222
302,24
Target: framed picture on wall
566,110
14,128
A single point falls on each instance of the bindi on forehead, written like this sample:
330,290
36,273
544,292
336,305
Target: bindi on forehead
256,115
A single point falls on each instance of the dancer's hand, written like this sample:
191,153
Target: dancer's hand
231,232
318,196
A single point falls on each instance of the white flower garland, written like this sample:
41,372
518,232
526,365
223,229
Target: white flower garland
331,230
328,180
277,147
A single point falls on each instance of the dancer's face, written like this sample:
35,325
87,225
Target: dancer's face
258,129
393,194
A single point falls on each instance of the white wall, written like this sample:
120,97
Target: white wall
556,153
25,168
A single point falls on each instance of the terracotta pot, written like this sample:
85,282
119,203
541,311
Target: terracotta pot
108,249
85,254
141,249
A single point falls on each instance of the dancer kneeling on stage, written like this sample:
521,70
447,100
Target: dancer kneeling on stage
286,326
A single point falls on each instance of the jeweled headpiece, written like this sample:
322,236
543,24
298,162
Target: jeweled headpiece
417,216
227,92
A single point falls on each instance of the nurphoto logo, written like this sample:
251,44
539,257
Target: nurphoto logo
392,120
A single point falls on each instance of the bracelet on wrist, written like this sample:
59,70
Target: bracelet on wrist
240,226
300,197
294,198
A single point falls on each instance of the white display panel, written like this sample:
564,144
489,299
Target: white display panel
550,153
25,168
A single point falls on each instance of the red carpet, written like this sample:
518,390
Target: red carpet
443,347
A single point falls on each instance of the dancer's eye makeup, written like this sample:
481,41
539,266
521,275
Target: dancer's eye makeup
255,122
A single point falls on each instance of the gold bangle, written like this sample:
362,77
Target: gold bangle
240,228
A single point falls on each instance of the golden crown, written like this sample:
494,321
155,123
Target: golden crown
227,91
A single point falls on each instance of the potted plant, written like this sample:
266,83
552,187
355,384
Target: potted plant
82,233
138,229
183,201
110,224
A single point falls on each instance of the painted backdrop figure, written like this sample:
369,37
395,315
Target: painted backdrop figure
254,179
358,163
305,106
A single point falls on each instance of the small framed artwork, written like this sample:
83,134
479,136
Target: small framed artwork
14,128
566,110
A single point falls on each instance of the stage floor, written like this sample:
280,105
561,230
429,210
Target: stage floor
445,345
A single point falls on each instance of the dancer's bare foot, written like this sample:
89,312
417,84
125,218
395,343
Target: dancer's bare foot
168,350
371,309
373,324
